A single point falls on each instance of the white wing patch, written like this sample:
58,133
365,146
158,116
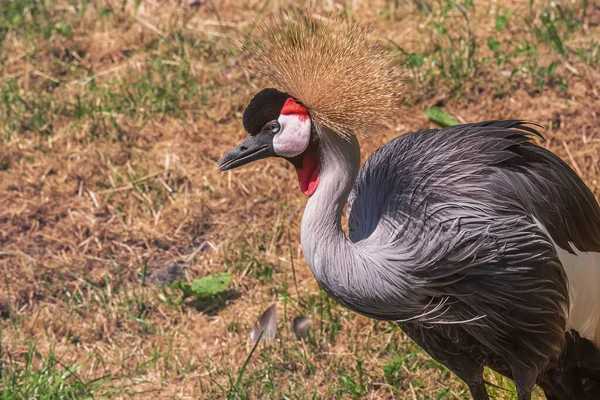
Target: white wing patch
583,274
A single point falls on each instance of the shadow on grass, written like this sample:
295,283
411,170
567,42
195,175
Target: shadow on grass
214,304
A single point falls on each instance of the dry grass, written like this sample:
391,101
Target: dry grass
113,118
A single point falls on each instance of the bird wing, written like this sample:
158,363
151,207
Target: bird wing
470,216
494,160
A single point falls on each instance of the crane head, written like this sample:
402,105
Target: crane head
331,80
279,126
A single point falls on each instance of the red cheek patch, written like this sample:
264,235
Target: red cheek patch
290,107
308,175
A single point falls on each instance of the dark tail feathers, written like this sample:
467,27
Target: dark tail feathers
576,376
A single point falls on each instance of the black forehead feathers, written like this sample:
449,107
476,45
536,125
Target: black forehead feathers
265,106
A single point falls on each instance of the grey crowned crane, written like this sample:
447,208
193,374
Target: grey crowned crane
482,246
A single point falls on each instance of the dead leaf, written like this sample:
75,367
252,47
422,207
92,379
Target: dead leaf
267,325
194,3
300,327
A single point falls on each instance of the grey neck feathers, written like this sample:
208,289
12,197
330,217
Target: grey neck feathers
367,276
328,251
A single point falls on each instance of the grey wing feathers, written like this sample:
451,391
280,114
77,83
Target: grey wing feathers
493,159
454,212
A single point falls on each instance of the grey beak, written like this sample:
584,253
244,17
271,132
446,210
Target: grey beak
255,147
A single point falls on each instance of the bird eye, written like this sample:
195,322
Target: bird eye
273,127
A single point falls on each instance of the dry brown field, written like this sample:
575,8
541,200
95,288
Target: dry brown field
113,115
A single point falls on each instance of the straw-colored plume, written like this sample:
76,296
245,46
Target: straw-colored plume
345,83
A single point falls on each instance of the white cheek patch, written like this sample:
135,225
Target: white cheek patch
294,136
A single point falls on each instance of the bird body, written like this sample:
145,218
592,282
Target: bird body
482,246
443,241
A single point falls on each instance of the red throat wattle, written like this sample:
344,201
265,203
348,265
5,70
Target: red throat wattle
308,175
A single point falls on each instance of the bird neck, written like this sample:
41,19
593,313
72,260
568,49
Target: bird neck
357,274
324,243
